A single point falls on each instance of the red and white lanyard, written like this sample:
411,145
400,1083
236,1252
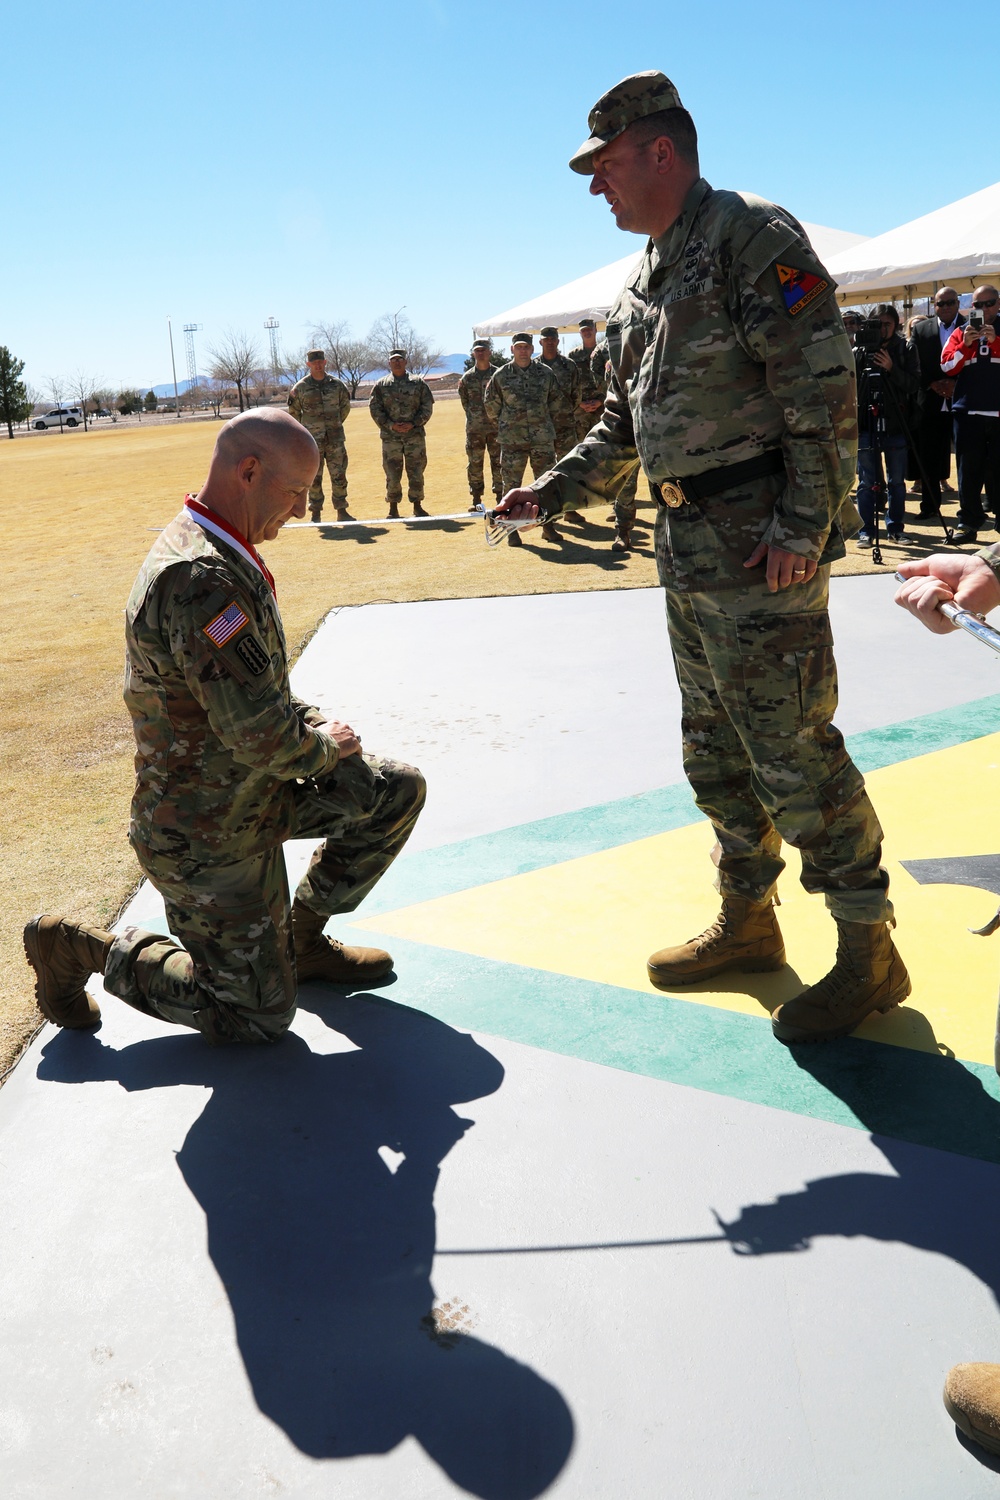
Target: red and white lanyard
225,532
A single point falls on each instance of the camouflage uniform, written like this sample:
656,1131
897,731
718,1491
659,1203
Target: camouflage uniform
322,407
228,766
522,403
727,346
402,398
568,385
592,388
624,504
480,433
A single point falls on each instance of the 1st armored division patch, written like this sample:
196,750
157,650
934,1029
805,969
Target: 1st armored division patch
799,288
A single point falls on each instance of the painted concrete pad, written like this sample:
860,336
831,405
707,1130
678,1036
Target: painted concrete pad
392,1259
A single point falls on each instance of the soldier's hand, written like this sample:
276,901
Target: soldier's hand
519,505
947,578
783,568
343,736
402,426
590,406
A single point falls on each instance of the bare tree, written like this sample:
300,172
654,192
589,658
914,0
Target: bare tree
234,359
82,389
293,366
57,391
350,358
395,331
33,397
216,392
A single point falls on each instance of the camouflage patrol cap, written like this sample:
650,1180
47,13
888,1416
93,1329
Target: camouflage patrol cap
397,353
480,343
548,333
588,323
635,97
312,354
522,338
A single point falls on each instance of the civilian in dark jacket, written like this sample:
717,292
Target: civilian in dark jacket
934,422
972,356
896,366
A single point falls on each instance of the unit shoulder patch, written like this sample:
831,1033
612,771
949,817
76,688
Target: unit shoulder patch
799,288
253,655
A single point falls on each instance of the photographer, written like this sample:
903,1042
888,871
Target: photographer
971,357
888,377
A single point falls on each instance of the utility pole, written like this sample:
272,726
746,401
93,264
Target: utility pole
173,366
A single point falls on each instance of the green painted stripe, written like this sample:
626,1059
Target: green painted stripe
891,1091
590,830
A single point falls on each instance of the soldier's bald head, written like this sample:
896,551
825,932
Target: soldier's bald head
267,435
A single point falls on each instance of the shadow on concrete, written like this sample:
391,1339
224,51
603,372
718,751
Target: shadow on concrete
325,1246
938,1201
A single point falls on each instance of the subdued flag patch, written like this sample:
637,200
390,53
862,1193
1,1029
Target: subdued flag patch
799,288
226,624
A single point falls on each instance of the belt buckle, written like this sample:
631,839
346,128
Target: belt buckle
672,494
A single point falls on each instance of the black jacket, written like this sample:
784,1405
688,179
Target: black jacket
903,382
926,341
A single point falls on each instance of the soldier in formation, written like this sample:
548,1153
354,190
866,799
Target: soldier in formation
732,383
522,399
480,430
401,405
229,764
568,386
592,382
623,513
321,403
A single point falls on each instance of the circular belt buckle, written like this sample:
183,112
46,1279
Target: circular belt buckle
672,494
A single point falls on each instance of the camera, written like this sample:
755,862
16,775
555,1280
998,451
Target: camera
868,336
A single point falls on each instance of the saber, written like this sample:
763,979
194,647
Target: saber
498,528
966,621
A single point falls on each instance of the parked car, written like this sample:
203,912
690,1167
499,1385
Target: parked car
59,416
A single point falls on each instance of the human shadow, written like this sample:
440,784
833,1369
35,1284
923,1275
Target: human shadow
363,534
945,1200
325,1246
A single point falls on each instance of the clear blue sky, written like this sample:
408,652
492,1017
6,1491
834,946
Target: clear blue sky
225,162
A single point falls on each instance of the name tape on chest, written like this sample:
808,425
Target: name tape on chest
799,288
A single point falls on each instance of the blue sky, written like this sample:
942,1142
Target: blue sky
228,162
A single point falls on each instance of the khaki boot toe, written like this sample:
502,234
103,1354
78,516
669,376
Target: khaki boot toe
868,975
64,955
745,935
972,1400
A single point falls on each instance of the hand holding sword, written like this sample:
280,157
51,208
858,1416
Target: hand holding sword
951,591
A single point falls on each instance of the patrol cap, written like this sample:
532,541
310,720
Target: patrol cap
397,353
480,343
522,338
312,354
588,323
549,333
635,97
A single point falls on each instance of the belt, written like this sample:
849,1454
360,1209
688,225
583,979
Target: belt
675,492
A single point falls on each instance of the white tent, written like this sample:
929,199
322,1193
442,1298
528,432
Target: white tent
958,246
591,296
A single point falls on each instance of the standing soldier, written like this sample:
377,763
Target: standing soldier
402,404
321,403
592,382
522,399
480,430
733,384
569,385
623,514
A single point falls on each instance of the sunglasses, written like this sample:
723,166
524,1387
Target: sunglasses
947,302
980,305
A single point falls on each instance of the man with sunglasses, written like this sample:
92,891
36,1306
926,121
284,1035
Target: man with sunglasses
934,428
971,357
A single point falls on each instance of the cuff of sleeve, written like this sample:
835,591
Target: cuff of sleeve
557,492
991,556
791,535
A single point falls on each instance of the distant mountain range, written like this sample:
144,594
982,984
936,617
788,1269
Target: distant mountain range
449,364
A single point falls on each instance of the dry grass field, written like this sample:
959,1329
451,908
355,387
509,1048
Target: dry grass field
76,513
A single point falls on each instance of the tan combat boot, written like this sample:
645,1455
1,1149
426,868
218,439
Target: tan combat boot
972,1398
868,975
320,957
393,511
574,516
623,539
63,956
549,533
343,514
418,509
745,935
316,512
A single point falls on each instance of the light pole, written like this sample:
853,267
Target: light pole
177,399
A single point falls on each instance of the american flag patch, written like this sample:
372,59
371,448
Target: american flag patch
225,626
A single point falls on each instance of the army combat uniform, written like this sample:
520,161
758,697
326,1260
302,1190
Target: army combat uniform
402,398
567,408
480,433
322,406
229,764
523,404
624,500
592,388
733,384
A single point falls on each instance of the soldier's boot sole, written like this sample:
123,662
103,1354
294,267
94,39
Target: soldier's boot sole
664,975
962,1418
884,997
63,957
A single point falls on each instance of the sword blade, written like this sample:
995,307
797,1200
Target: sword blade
458,515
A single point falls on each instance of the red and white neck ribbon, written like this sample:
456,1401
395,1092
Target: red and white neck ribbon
227,533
